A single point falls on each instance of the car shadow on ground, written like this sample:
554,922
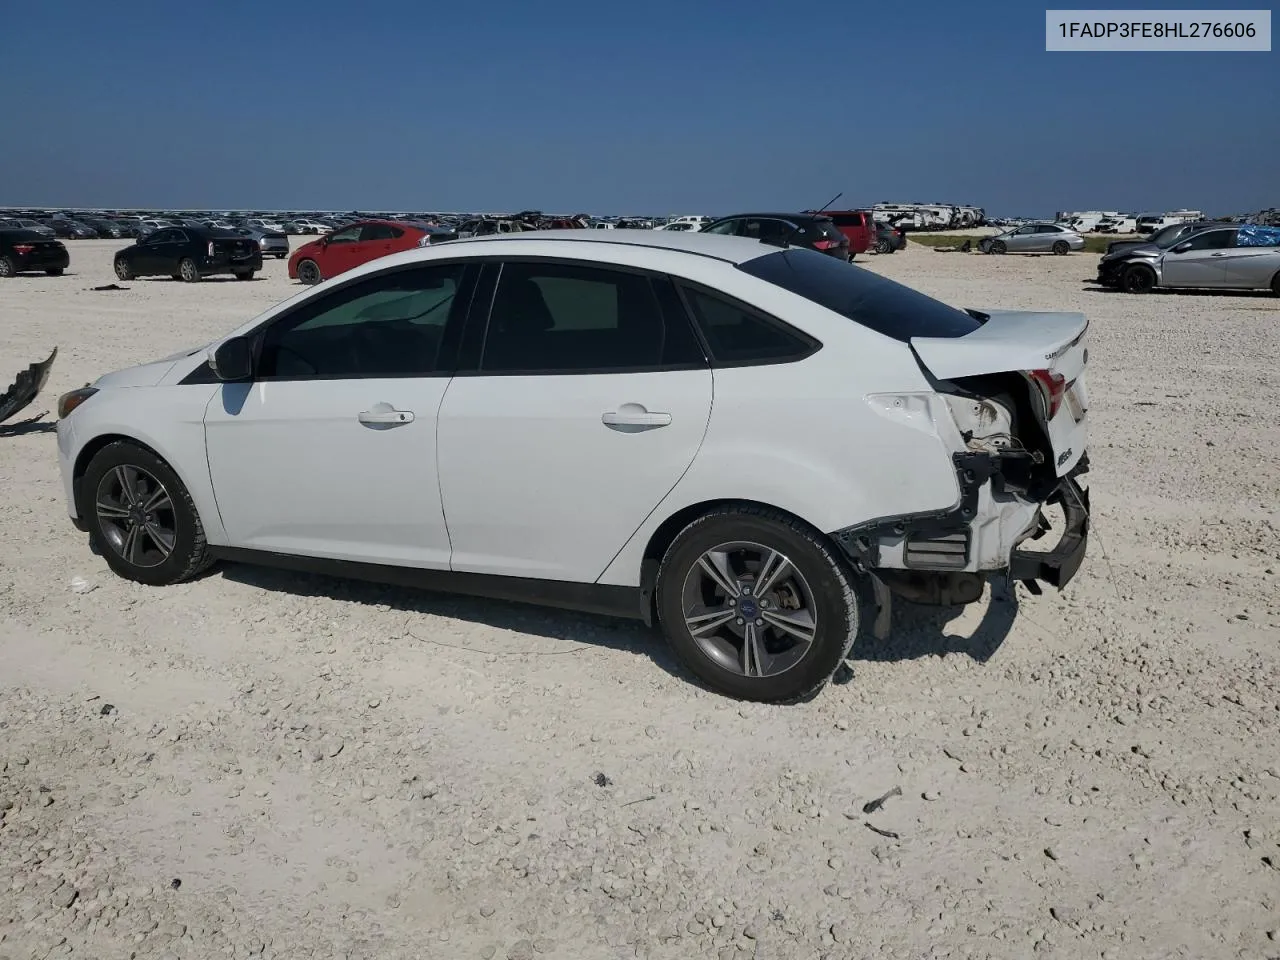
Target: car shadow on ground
919,630
571,627
23,427
1092,287
916,631
216,279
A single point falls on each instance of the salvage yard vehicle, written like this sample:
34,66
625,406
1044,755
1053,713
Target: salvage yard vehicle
531,417
189,254
1034,238
1218,258
812,230
352,246
889,239
24,251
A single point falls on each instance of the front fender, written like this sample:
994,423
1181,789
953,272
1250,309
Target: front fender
169,419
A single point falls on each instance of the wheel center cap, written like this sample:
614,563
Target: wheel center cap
749,607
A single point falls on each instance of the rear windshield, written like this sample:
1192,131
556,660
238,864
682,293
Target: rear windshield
862,296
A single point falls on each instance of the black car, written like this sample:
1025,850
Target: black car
815,231
888,239
190,254
27,250
70,229
108,229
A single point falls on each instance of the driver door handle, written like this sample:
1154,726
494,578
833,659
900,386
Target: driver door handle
634,415
382,415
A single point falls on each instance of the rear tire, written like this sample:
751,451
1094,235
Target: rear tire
188,272
54,271
141,516
281,256
244,275
884,246
1138,279
811,590
309,272
1275,284
7,267
1060,248
123,270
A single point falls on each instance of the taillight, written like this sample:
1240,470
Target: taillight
23,248
821,244
211,248
1053,387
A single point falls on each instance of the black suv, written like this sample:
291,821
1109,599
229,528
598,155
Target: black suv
815,231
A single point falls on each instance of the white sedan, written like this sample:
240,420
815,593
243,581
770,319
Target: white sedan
734,439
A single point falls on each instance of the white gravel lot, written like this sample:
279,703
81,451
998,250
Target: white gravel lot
261,763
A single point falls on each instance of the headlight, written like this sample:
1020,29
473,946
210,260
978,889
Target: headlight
69,401
425,240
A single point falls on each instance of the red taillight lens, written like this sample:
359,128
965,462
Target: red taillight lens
23,248
822,244
1053,387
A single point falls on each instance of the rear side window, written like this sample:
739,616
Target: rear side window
738,335
847,219
562,318
860,295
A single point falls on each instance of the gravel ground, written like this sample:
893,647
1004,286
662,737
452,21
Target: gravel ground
265,764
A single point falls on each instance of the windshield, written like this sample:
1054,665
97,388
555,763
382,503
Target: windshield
860,295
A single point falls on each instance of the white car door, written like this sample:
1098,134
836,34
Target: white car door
330,450
587,401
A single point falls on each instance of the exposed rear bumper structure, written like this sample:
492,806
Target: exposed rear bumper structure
1057,566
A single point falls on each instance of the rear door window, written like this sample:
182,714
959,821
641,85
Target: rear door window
860,295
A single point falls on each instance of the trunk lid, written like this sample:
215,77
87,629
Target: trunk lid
1048,349
235,247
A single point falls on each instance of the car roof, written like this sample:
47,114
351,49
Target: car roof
729,249
19,233
793,215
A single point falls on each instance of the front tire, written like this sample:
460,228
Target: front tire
1138,279
1275,284
188,272
7,267
997,247
123,270
54,271
141,516
244,275
309,272
757,604
281,256
884,246
1060,248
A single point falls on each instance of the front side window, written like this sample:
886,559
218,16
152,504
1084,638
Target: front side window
1212,240
726,227
379,231
349,235
387,325
553,317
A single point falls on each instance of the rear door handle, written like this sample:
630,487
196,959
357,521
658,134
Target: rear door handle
634,415
383,414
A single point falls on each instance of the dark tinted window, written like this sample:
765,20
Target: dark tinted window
388,325
379,231
847,219
1212,240
1047,228
727,227
862,296
558,317
737,334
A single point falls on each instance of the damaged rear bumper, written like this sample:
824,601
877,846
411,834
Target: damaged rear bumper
1057,566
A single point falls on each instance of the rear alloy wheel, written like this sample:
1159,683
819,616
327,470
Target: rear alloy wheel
997,246
188,271
141,516
883,246
309,272
756,604
1060,248
7,267
1138,279
122,270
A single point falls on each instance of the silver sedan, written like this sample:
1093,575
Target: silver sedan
1034,238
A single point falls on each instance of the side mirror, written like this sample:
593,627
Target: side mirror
232,361
1182,247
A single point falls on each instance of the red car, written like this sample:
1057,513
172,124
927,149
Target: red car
351,246
858,226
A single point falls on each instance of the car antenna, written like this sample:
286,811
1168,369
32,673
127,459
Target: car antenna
830,202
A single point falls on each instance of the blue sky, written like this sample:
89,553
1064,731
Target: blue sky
664,106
